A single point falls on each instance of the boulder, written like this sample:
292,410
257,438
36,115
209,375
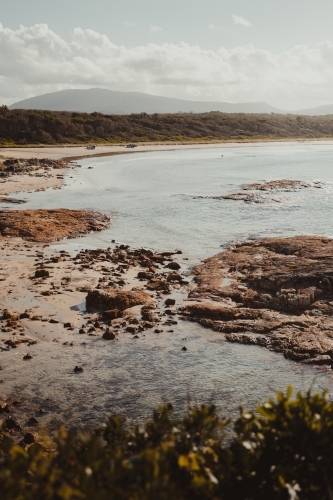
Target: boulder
107,300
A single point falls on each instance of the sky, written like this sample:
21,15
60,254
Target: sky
280,52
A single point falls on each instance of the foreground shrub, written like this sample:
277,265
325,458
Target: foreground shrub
283,451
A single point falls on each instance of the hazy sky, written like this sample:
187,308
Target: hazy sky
280,52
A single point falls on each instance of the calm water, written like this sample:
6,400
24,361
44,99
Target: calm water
150,196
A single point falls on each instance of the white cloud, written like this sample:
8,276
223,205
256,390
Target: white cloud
241,20
154,29
211,26
129,24
35,60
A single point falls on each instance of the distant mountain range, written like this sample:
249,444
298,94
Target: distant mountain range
124,103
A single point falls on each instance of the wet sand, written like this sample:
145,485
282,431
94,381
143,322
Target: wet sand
27,183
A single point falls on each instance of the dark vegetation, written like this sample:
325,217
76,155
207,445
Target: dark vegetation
48,127
284,451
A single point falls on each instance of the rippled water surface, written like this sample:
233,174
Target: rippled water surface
151,197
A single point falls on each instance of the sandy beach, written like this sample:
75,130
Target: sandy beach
80,152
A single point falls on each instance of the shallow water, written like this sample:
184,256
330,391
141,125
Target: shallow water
150,196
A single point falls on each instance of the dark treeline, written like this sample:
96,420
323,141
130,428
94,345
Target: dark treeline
48,127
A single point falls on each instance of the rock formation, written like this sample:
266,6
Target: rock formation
266,192
277,293
50,225
104,300
29,165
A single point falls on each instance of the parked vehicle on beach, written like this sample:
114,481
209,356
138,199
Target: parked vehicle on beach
91,146
131,146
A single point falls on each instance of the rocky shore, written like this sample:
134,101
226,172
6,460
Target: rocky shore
266,192
122,291
31,174
276,293
50,225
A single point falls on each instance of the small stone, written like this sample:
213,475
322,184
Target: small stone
24,315
33,420
27,356
170,302
42,273
78,369
30,437
108,335
184,348
173,265
132,329
10,424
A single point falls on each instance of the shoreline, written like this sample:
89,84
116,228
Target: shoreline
80,153
21,183
54,299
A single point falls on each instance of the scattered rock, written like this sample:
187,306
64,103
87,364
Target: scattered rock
42,273
112,314
113,299
33,421
11,424
25,315
30,438
108,335
131,329
173,265
170,302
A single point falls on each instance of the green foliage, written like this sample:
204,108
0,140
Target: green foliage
283,451
20,126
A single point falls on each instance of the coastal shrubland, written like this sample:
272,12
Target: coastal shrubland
283,450
24,127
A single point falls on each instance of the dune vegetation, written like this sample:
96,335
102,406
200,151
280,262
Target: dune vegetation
24,127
